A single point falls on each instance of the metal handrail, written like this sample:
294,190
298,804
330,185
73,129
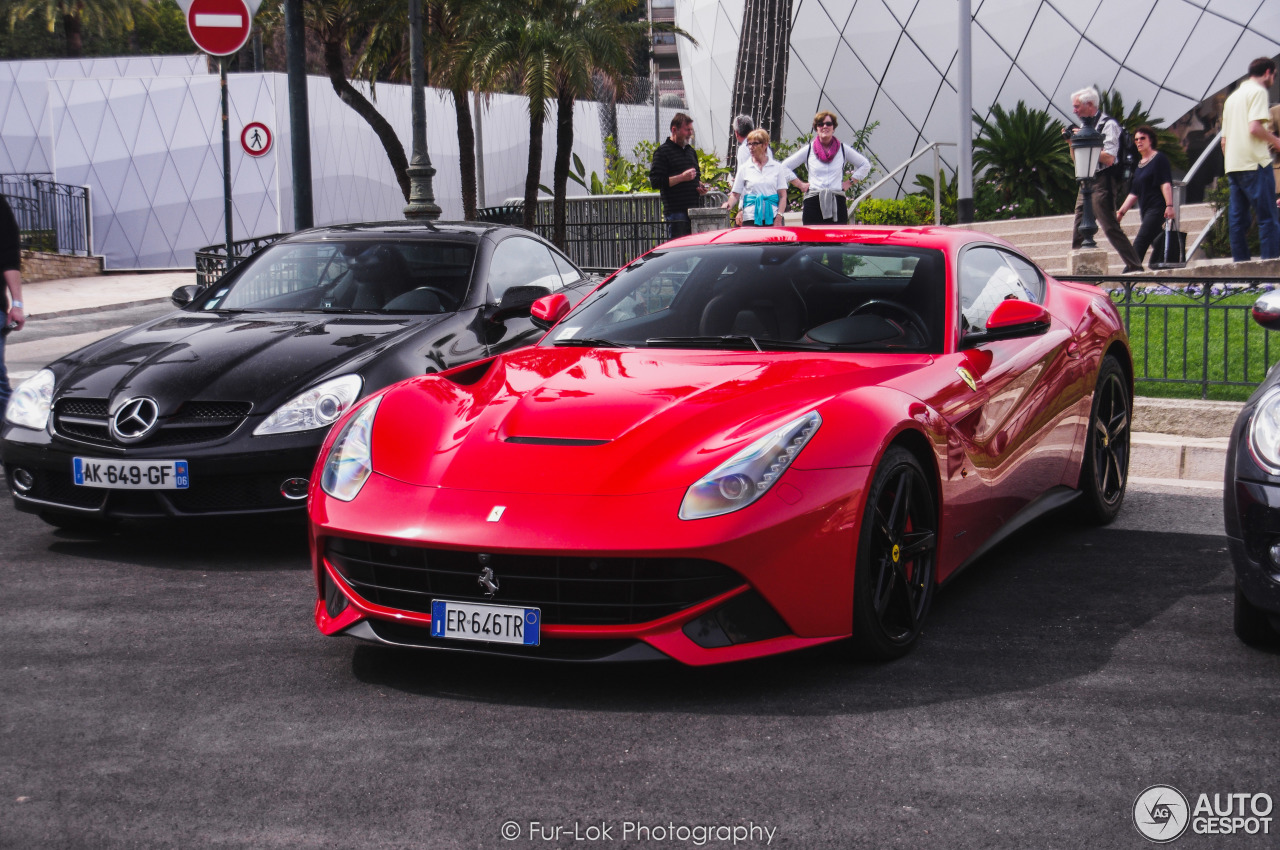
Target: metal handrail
937,188
1179,190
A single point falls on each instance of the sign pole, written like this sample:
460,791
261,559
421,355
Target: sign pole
226,159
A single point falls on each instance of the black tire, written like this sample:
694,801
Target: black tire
1252,624
1105,470
78,523
896,570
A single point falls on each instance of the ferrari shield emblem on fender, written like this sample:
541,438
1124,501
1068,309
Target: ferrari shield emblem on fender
496,513
967,378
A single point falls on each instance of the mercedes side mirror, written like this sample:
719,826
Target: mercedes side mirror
184,295
516,301
550,309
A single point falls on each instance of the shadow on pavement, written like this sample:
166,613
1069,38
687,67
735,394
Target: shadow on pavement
206,545
1049,605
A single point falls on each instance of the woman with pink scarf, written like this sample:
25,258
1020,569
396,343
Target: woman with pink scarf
826,158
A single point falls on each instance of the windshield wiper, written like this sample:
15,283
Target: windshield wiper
733,341
589,342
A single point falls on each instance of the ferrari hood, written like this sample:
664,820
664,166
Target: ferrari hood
602,421
260,358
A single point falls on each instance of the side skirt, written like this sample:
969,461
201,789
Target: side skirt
1047,502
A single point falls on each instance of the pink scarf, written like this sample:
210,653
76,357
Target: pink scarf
826,153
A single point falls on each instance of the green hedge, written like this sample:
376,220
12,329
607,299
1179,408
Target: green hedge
912,209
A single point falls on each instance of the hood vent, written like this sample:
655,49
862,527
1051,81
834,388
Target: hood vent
554,441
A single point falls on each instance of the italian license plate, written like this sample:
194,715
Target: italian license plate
489,623
130,474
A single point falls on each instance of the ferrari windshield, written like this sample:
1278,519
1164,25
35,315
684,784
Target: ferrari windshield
357,276
769,297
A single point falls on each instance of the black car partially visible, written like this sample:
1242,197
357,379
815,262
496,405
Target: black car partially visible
1251,501
220,407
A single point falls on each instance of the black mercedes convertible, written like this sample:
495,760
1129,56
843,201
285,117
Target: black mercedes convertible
220,407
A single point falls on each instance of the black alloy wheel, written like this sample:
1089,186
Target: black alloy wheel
896,570
1106,453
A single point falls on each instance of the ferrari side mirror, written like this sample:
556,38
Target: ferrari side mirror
1011,319
550,309
1266,310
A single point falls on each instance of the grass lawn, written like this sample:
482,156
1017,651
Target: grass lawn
1167,336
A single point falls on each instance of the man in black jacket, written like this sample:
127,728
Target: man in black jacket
11,267
675,174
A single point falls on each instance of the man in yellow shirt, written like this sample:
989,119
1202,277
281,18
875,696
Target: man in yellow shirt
1246,150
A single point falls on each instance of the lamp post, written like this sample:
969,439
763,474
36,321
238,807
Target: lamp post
1086,147
422,200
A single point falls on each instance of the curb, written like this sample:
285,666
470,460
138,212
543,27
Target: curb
81,311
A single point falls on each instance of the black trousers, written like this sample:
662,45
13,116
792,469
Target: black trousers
1152,223
1105,189
813,211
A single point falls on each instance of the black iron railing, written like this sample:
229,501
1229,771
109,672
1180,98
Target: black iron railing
52,217
211,260
1194,331
602,232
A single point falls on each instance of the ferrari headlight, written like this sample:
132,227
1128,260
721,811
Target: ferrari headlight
750,473
318,407
350,461
1264,432
29,404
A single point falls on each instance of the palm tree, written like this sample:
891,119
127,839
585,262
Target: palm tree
73,15
344,28
447,33
596,47
1023,152
451,25
520,45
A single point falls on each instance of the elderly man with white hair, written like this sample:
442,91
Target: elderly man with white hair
1107,181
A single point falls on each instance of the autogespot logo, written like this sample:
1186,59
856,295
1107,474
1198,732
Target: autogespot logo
1161,814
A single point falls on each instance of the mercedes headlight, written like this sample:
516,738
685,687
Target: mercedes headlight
1264,432
350,461
29,404
750,473
318,407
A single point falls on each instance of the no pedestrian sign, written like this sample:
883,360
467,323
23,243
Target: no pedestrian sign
255,138
219,27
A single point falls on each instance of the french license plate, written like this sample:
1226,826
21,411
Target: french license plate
489,623
130,474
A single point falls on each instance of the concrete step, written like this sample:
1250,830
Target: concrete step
1173,457
1181,439
1047,240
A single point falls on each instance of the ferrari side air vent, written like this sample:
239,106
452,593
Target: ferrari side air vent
470,375
554,441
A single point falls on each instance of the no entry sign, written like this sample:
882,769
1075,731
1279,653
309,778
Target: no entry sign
219,27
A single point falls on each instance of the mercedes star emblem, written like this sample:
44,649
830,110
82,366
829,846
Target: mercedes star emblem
135,419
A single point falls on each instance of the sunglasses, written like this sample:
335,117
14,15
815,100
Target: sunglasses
826,124
755,144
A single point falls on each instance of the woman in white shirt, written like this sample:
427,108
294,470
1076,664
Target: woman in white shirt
826,158
761,184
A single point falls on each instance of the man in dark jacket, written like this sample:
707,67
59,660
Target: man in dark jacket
11,267
675,174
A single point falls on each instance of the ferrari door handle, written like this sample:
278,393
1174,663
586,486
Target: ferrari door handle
1073,349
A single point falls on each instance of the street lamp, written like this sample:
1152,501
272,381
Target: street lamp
422,200
1086,147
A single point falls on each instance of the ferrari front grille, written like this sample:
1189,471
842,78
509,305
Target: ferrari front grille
87,421
569,590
